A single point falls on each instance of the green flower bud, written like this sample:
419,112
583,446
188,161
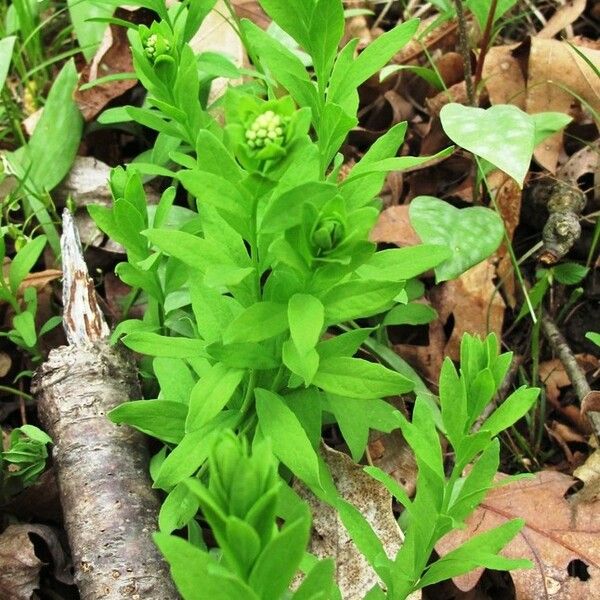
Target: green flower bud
327,234
266,130
156,45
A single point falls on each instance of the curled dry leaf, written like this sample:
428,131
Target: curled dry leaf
19,565
564,16
5,363
581,163
112,57
475,304
330,539
589,473
560,537
552,373
503,77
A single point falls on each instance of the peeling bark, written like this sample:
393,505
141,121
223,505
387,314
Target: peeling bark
109,506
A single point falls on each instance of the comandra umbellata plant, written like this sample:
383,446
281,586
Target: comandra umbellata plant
241,285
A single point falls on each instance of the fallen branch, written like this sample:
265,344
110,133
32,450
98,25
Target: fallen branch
109,507
576,375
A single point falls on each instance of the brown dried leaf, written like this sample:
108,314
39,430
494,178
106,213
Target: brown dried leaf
589,473
566,14
113,56
584,161
19,566
330,539
5,363
474,302
557,532
250,9
393,227
503,77
552,373
554,68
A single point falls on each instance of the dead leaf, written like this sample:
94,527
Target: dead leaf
560,537
554,68
330,539
5,363
113,56
503,77
86,183
19,566
251,9
566,14
393,227
475,304
552,373
581,163
589,473
508,200
427,360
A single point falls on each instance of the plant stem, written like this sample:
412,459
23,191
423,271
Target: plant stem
485,43
463,43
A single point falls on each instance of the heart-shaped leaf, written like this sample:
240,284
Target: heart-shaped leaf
472,234
503,135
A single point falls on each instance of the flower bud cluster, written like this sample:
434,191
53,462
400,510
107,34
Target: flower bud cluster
267,128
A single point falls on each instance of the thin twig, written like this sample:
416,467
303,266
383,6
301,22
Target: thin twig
575,373
463,42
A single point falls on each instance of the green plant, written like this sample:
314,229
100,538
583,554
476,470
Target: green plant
241,291
257,559
24,332
24,459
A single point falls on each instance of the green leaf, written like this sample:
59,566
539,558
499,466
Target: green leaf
24,323
244,356
192,451
375,56
304,365
325,31
358,299
290,442
293,18
6,50
53,145
175,379
593,337
153,344
358,378
392,486
410,314
356,417
453,402
278,562
344,344
287,69
197,575
319,582
503,134
569,273
258,322
511,410
548,123
211,394
24,261
178,508
161,419
306,317
398,264
192,250
480,551
472,234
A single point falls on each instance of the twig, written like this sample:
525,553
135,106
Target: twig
463,42
109,506
576,375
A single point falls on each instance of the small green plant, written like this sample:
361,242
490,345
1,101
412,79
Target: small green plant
24,332
271,252
24,459
257,559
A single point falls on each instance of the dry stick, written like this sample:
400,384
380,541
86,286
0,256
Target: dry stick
576,375
109,506
463,42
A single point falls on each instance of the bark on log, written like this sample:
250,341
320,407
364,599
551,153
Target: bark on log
109,506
